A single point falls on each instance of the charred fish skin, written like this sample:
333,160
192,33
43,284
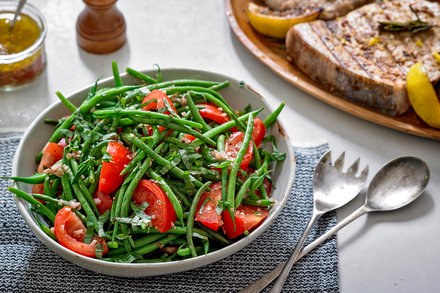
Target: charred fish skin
362,64
330,9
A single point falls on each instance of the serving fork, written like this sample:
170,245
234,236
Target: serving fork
332,188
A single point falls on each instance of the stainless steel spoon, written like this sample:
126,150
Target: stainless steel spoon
332,188
397,184
17,13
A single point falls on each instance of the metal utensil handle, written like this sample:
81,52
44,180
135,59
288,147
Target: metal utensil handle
261,283
347,220
278,285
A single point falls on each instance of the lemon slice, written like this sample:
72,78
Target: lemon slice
275,23
422,95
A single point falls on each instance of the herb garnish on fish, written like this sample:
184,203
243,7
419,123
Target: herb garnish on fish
413,26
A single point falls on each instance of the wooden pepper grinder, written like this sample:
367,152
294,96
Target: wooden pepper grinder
100,27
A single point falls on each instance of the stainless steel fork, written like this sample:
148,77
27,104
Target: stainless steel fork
332,188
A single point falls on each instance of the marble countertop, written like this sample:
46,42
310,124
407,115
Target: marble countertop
384,252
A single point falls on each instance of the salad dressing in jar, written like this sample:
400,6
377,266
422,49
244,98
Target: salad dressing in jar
22,56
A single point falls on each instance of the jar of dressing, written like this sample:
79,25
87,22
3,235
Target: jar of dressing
22,55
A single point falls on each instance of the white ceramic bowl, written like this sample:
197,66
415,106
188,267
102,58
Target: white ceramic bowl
237,94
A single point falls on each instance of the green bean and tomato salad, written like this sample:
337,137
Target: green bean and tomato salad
154,171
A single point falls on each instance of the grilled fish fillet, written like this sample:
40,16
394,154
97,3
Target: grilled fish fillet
330,8
352,57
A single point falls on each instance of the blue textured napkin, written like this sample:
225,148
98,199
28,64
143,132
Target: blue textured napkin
26,265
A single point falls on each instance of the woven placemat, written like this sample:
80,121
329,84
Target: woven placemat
26,265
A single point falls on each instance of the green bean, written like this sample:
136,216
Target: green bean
55,186
149,114
159,73
155,246
46,229
129,194
186,251
166,85
139,157
273,116
195,113
176,171
94,185
178,143
243,190
190,220
180,194
92,90
223,127
67,189
40,206
89,104
38,157
141,76
137,244
66,102
176,127
258,202
169,193
117,213
116,76
51,122
46,184
90,140
220,86
37,178
224,171
98,147
214,235
237,161
59,132
84,189
257,160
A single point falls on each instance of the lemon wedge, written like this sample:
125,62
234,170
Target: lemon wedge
275,23
422,95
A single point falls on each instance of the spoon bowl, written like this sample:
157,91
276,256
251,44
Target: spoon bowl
397,184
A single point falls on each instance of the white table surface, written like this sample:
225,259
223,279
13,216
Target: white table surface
396,251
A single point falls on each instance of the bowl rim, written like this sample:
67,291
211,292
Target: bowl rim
187,264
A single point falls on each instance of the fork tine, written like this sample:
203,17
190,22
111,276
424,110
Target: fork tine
326,158
354,168
364,173
339,161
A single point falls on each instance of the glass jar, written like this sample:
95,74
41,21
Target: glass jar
19,68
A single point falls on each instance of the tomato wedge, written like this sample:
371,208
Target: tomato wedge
160,98
103,201
189,137
160,208
70,233
233,145
246,218
159,103
213,112
110,177
205,211
52,153
258,132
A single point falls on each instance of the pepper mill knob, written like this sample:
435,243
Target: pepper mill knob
100,27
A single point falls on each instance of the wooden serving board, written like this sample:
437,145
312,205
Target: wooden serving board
273,54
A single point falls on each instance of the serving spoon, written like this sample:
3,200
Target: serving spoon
398,183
